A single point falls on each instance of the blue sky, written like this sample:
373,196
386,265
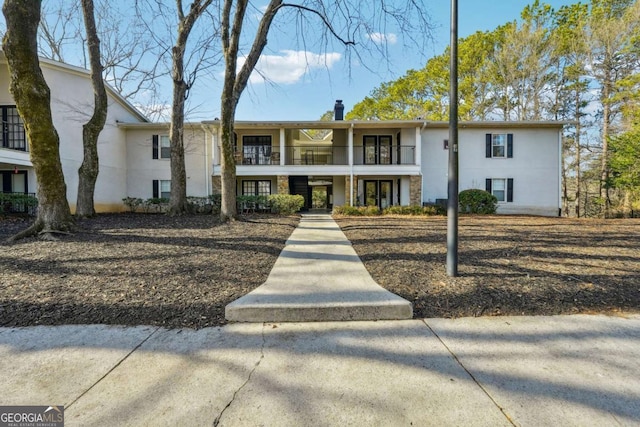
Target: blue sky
304,86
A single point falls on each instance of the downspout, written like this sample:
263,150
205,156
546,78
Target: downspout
350,144
424,125
560,172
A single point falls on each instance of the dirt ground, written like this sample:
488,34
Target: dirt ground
134,269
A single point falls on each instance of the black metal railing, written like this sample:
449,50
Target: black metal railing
327,155
384,155
24,203
316,155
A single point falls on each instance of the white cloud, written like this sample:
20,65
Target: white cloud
290,66
380,38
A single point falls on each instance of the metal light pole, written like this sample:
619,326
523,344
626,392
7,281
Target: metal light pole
452,200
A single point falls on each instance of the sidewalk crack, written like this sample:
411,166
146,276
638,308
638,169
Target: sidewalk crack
235,393
113,368
475,380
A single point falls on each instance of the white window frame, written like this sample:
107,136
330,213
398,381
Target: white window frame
164,188
504,189
499,140
164,147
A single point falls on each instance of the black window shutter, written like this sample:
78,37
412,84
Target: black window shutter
488,146
510,190
510,145
156,188
155,146
488,185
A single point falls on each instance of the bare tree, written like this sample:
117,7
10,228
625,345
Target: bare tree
345,22
88,172
181,85
131,59
33,100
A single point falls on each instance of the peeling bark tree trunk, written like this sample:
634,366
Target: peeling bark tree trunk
33,101
88,172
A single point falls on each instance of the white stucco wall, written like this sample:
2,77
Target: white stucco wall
534,167
143,169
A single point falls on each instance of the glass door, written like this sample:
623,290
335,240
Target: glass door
378,193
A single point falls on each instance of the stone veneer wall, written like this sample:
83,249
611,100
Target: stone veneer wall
415,190
283,184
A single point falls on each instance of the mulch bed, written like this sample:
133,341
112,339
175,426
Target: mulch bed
145,269
508,265
137,269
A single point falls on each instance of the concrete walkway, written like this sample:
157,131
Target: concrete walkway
318,277
498,371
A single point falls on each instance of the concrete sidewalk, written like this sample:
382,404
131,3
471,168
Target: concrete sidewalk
531,371
318,277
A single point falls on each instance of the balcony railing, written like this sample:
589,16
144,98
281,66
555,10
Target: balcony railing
384,155
327,155
316,155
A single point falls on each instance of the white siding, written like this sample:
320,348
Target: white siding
534,167
143,169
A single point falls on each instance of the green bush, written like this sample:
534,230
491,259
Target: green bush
133,203
18,203
156,204
199,204
252,203
357,210
413,210
286,204
477,202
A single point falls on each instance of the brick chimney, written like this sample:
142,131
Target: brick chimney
338,110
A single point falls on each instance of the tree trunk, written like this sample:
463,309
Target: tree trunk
33,101
178,199
88,172
578,154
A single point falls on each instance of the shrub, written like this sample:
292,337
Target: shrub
413,210
155,204
356,210
346,210
286,204
18,203
199,204
132,203
216,202
475,201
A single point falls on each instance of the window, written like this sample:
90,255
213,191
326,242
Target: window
499,145
256,188
256,150
13,133
378,193
377,149
161,188
501,188
445,144
161,147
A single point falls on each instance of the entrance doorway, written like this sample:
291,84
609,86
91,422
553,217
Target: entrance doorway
378,193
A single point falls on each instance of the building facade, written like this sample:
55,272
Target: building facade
329,163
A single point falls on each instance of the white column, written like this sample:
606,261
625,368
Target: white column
282,148
418,146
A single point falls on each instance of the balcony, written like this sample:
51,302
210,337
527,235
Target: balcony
384,155
331,155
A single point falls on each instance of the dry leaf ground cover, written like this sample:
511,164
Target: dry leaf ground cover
507,264
134,269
